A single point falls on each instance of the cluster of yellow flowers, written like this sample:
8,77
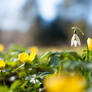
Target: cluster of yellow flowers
25,57
64,83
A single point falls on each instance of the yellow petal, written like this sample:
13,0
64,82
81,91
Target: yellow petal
34,49
1,47
23,57
32,56
2,64
64,83
89,43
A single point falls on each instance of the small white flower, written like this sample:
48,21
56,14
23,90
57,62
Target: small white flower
75,40
12,78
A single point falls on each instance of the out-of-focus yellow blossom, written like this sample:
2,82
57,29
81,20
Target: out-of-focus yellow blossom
23,57
64,83
2,64
33,51
1,47
89,43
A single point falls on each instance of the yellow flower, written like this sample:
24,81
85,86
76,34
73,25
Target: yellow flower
2,64
64,83
33,51
23,57
1,48
89,43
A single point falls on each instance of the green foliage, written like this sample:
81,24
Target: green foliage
28,77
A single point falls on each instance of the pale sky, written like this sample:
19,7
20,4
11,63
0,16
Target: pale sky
11,16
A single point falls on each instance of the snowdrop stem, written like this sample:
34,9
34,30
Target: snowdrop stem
75,29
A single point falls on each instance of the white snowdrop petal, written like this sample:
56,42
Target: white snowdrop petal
72,40
79,43
75,40
78,40
75,43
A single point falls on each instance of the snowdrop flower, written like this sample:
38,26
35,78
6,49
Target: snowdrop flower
75,40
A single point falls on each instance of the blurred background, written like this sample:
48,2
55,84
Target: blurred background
43,22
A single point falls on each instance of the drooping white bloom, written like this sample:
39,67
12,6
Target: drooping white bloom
75,40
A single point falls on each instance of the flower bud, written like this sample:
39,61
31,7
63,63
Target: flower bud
89,43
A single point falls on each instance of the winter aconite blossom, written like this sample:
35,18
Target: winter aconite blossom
33,52
89,43
34,49
1,47
64,83
23,57
2,64
75,40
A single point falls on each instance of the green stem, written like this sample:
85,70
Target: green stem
3,77
18,68
60,68
87,54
